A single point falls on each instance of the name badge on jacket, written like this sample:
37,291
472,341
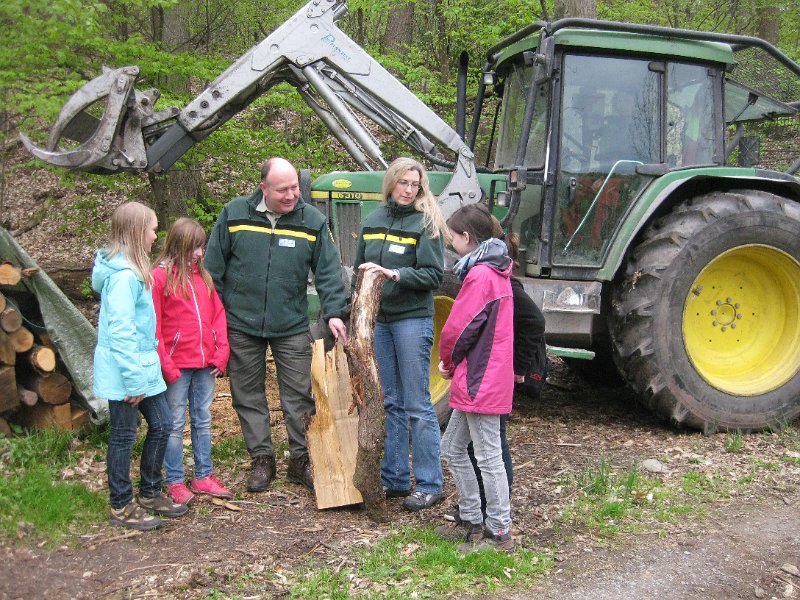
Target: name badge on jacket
286,243
397,248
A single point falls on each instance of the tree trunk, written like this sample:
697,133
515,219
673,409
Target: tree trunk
171,192
586,9
768,23
10,319
8,389
42,359
51,389
368,393
21,340
9,274
399,29
8,354
27,397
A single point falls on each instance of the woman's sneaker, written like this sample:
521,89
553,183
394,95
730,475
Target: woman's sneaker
212,486
179,493
163,506
133,516
419,500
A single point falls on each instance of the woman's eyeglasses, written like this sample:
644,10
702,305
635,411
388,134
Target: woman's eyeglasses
412,184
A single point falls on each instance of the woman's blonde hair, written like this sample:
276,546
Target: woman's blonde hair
425,202
183,238
129,223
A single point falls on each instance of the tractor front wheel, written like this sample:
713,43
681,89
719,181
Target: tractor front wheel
706,321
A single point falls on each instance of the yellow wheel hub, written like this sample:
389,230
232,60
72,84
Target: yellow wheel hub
442,305
741,320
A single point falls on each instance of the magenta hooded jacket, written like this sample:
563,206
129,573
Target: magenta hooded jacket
477,341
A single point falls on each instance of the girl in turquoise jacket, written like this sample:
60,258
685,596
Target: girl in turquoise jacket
127,371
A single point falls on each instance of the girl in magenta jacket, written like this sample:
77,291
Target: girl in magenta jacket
193,347
477,349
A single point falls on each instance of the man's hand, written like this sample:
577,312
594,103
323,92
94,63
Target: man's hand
337,327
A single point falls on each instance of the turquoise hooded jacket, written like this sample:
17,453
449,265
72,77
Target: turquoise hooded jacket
125,359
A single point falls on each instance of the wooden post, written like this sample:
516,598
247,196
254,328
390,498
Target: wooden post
333,430
368,393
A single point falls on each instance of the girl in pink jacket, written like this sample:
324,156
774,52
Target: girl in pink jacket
477,349
193,347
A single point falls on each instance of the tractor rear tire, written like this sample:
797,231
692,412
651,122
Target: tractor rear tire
439,386
706,321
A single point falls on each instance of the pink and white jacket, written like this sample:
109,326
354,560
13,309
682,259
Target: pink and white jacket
477,341
192,331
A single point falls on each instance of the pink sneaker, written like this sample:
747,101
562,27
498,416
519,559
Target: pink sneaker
179,493
212,486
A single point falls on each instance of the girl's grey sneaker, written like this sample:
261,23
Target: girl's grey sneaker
462,531
419,500
501,542
163,505
133,516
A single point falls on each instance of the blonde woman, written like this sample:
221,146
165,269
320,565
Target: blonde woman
404,240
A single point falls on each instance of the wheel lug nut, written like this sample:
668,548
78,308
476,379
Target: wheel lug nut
715,323
729,300
733,325
738,315
737,305
713,312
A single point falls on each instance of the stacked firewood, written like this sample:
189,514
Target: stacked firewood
32,390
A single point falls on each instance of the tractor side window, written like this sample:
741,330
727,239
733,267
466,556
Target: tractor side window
517,83
690,116
609,125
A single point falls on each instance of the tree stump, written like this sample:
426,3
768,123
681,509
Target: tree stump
368,393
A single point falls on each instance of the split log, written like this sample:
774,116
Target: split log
29,271
10,319
368,393
27,397
8,389
52,388
22,340
2,302
8,354
42,359
9,274
333,430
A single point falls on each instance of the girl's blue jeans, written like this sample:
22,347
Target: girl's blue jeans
403,354
484,433
124,424
195,387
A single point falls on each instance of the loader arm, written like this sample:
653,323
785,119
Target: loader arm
333,74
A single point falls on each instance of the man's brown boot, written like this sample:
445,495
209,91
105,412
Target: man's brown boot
262,472
299,471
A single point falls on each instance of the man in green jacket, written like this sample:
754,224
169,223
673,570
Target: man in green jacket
259,254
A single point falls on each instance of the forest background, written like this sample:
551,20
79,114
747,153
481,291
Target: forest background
50,48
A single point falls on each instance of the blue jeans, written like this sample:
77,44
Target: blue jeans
197,387
124,423
484,433
403,354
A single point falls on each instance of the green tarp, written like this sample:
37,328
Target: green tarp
72,334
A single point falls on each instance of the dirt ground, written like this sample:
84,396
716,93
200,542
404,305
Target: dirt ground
737,552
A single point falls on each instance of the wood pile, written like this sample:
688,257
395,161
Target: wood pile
34,392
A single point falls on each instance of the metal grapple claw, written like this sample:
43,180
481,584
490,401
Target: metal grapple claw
108,143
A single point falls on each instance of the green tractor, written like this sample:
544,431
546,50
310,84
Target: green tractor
641,243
